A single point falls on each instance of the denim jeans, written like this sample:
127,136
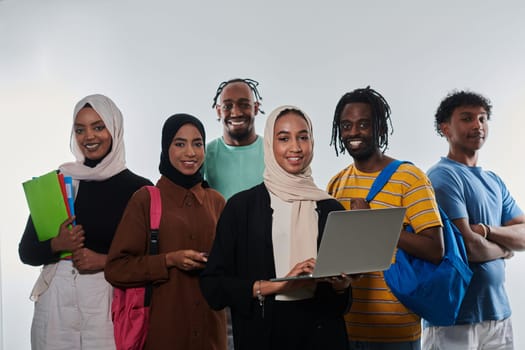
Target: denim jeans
363,345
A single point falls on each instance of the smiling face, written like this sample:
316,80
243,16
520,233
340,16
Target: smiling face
92,136
467,129
292,143
356,130
186,150
237,110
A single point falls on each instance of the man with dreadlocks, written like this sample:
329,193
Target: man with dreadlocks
377,320
235,161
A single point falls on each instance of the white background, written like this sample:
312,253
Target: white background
155,58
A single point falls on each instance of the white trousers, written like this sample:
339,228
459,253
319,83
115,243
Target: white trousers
487,335
74,313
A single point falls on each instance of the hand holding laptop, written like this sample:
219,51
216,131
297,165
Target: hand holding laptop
356,242
304,271
262,288
294,278
341,282
303,268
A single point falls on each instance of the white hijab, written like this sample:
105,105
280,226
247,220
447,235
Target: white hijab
298,189
114,162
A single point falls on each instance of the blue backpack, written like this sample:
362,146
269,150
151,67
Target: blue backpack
434,292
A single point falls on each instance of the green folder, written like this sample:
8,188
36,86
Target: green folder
46,204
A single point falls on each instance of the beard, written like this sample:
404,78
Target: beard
240,134
363,153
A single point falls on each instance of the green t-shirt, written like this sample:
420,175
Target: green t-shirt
231,169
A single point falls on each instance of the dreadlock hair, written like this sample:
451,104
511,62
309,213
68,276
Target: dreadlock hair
457,99
252,84
380,117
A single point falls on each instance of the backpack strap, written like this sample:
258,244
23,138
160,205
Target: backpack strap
155,212
383,178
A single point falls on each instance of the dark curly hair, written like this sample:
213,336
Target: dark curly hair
252,84
457,99
380,117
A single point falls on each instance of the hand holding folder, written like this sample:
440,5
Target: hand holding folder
50,201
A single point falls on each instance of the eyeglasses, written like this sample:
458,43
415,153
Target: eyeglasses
227,107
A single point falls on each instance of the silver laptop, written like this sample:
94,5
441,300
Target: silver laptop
356,241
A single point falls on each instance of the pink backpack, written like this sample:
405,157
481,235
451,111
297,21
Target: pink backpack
130,306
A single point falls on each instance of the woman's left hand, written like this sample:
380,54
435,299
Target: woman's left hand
341,282
84,259
186,259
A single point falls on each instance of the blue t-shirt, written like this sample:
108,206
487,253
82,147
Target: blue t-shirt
479,196
231,169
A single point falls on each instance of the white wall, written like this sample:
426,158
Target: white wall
157,58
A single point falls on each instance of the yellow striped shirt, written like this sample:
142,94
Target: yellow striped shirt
376,314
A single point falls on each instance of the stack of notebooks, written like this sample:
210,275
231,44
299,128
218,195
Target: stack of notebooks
50,198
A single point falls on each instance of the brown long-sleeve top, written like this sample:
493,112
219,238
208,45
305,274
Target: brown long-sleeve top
179,315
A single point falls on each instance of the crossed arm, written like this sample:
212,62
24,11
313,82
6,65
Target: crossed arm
499,243
511,235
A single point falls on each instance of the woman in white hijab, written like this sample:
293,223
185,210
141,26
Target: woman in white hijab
274,230
72,298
